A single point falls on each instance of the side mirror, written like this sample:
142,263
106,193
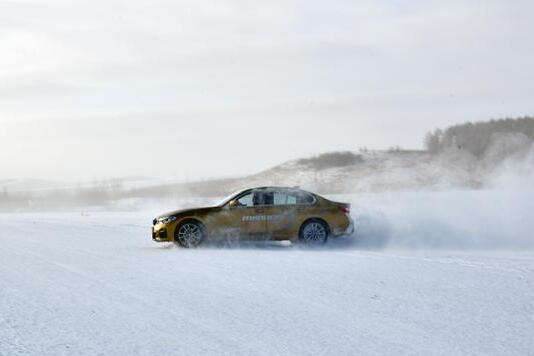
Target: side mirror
233,204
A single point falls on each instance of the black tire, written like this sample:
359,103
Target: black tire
189,234
314,232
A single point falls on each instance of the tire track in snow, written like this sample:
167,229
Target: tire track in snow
461,262
209,333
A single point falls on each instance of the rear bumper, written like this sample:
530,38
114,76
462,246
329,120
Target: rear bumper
349,230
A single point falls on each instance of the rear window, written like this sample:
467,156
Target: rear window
304,198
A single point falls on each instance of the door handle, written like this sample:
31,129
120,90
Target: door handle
260,210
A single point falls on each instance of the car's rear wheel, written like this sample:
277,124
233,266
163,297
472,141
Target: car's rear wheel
189,234
314,232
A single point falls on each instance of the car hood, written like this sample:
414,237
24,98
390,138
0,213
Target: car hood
182,212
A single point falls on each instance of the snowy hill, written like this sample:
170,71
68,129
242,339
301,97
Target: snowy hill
370,171
397,170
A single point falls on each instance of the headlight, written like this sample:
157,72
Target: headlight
168,219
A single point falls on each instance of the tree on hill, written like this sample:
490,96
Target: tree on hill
476,138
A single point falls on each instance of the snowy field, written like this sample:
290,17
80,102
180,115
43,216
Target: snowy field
428,274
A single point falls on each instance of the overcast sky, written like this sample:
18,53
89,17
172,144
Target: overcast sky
189,89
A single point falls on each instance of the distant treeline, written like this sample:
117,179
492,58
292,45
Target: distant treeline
108,193
331,160
477,137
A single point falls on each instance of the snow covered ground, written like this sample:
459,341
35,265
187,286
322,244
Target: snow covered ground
95,284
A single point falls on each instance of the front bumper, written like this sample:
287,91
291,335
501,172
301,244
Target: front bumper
160,234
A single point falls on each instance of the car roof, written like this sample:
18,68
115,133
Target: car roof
276,188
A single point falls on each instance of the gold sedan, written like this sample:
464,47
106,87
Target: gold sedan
266,213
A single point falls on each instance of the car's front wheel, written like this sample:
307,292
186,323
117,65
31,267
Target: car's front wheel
314,232
189,234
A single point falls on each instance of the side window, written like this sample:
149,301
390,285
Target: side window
284,199
245,200
263,198
268,198
279,199
291,200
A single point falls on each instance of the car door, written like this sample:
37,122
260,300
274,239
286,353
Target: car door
280,213
243,217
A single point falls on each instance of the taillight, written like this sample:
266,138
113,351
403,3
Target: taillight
344,209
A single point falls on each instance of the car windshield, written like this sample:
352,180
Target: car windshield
227,199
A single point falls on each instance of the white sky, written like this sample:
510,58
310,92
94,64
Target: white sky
189,89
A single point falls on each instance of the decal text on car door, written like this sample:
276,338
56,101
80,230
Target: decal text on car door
251,218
